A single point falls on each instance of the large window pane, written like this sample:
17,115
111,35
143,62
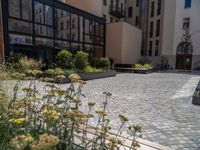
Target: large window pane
48,15
74,27
20,39
39,13
14,8
44,42
62,24
43,31
62,44
27,9
20,26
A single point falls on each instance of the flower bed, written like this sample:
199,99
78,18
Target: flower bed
144,69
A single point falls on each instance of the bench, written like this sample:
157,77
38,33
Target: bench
124,67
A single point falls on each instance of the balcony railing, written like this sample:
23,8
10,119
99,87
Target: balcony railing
117,12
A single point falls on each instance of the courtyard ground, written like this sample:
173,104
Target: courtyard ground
160,102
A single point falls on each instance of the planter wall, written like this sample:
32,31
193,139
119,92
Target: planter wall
88,76
142,71
196,100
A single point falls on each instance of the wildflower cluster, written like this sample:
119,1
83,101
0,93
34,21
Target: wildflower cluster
55,121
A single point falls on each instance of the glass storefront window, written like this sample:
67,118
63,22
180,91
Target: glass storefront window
26,9
59,27
14,8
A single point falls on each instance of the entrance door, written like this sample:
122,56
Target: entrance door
184,61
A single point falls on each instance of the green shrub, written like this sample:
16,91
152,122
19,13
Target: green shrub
104,63
148,66
12,61
95,62
64,59
26,64
81,60
138,66
89,69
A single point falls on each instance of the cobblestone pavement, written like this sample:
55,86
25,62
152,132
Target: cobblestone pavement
159,102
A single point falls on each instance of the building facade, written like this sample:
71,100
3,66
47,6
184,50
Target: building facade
184,15
163,23
41,28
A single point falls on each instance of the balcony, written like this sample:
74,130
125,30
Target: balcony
117,12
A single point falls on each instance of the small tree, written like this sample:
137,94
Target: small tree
81,60
104,63
64,59
185,47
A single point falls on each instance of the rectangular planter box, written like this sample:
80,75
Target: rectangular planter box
196,100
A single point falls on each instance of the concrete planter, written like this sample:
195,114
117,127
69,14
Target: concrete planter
97,75
196,95
196,100
88,76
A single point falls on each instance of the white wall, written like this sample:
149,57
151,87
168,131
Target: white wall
173,15
123,43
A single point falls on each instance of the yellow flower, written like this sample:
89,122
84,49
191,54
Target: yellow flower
60,92
17,121
74,77
21,141
51,114
123,118
91,104
45,142
101,112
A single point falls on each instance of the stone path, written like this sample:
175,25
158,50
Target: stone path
159,102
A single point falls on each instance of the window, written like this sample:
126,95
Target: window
105,2
152,9
137,3
130,12
156,47
151,29
150,48
188,3
104,16
136,20
61,26
159,7
26,9
14,9
73,23
186,23
68,25
158,28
